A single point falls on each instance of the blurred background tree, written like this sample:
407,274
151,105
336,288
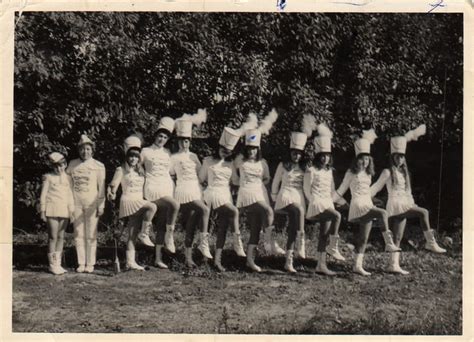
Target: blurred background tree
106,74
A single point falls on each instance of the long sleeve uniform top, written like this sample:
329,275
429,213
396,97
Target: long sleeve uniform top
57,190
88,179
217,173
186,166
157,164
318,184
292,179
131,181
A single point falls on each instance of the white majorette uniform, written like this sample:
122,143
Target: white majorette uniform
186,166
132,190
400,198
361,198
319,189
88,179
157,164
218,175
251,187
56,196
291,191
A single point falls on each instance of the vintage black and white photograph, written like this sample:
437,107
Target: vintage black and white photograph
238,173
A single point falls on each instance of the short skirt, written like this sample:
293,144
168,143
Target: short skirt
217,196
187,192
250,195
129,206
359,207
288,196
399,205
317,205
59,209
156,190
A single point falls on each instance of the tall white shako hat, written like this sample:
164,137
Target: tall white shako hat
166,123
184,128
85,140
132,141
362,145
322,143
229,138
253,137
399,144
298,140
56,158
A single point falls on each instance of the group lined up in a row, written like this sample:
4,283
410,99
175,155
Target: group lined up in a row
146,178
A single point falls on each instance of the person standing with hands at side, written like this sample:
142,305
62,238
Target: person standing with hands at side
57,208
88,184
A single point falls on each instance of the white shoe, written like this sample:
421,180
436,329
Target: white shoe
144,235
81,269
169,239
289,262
322,266
251,259
332,249
431,243
358,268
89,269
300,250
58,259
269,243
389,244
131,263
394,264
204,245
237,244
53,268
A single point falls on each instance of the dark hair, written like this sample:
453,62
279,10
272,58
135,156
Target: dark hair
215,154
134,151
246,152
317,161
287,162
404,171
163,130
354,168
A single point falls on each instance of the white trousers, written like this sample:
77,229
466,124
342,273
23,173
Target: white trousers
85,234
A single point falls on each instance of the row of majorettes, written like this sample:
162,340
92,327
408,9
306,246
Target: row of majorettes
78,193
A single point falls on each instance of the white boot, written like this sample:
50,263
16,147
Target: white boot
322,266
58,259
131,263
91,250
81,255
269,243
389,244
394,264
217,260
53,268
431,243
159,257
169,238
144,235
237,244
300,250
188,254
251,259
332,249
289,261
358,268
204,245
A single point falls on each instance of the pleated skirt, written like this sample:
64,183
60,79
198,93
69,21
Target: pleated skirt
187,192
288,196
317,205
359,207
250,195
399,204
129,205
57,209
155,191
216,197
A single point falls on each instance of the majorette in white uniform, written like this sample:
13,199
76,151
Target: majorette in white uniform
361,199
291,190
56,195
251,187
186,166
157,163
88,178
132,184
218,173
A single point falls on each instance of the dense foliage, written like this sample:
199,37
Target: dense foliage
106,74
